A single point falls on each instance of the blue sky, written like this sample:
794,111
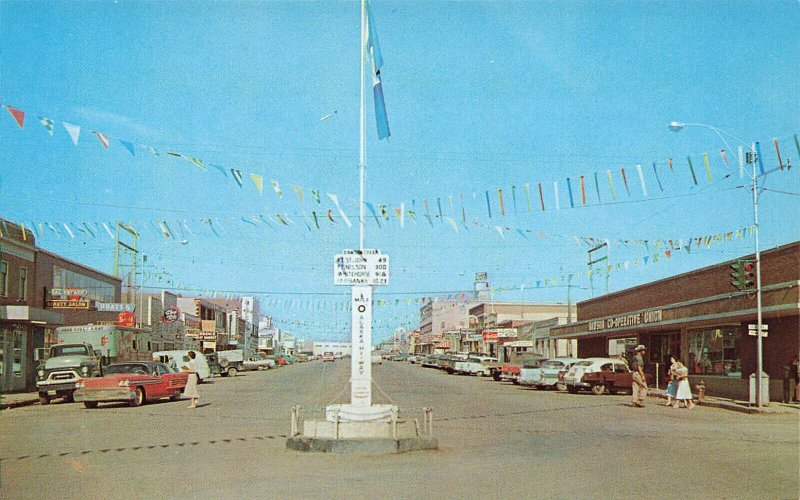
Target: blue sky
481,96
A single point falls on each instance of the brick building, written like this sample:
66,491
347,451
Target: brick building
702,318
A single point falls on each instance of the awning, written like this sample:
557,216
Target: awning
31,315
519,343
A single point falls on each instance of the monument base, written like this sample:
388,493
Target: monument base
369,430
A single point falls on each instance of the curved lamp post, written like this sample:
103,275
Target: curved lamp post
677,127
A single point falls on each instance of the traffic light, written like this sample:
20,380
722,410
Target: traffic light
748,275
743,275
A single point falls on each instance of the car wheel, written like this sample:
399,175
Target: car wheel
231,372
69,397
561,386
598,389
176,396
480,374
496,376
44,399
572,390
90,404
138,397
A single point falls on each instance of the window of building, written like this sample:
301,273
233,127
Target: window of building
715,351
94,288
3,279
23,283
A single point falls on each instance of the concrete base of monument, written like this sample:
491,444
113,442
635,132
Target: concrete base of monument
376,429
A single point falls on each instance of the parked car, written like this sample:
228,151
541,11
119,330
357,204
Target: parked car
600,375
510,371
257,363
376,359
448,363
329,356
133,382
546,374
431,361
474,365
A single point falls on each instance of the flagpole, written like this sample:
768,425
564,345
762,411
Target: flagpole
362,130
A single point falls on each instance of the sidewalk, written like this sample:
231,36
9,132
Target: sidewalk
17,399
774,407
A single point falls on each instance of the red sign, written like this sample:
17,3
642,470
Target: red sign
126,318
490,335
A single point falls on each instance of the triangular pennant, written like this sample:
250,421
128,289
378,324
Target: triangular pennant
74,132
258,181
198,162
102,137
18,115
277,189
129,146
47,123
237,176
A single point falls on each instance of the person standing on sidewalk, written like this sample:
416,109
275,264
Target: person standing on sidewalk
639,389
672,387
684,394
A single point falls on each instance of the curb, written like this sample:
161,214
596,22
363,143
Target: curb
18,404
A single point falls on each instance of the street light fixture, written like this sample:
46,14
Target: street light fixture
751,159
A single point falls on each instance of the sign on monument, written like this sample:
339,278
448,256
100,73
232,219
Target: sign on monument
368,267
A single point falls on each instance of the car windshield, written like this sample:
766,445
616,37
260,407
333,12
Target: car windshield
135,368
532,363
584,363
68,350
552,364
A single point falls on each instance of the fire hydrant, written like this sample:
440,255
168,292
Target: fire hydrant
701,390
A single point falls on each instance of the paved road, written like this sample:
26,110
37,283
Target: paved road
496,441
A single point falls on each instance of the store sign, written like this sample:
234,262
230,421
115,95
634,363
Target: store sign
126,318
192,332
171,315
752,330
500,333
69,304
71,293
207,336
361,267
635,319
114,307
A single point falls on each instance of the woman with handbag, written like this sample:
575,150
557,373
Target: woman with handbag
672,387
684,392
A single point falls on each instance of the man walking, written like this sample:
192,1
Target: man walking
639,389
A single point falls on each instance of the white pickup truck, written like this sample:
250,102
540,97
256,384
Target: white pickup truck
474,365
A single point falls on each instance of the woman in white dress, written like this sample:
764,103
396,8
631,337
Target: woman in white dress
684,393
191,384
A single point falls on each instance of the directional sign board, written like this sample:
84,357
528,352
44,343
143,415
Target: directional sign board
368,267
753,329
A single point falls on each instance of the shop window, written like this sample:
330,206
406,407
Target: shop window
23,283
3,279
715,351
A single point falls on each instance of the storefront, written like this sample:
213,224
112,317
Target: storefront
701,318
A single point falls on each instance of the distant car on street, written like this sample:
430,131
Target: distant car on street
134,383
546,375
376,359
474,365
328,356
257,363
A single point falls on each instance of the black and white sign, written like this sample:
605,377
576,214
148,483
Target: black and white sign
368,267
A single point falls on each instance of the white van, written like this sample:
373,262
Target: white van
179,359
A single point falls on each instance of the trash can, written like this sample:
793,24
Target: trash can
764,389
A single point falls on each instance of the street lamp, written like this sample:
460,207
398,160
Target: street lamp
752,159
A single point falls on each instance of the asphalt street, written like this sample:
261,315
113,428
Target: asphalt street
496,440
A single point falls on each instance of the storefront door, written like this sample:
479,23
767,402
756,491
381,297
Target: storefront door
661,347
13,362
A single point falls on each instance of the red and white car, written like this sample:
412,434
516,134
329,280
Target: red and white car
134,382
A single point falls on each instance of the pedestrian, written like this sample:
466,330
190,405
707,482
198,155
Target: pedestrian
191,383
639,389
795,374
672,386
684,393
